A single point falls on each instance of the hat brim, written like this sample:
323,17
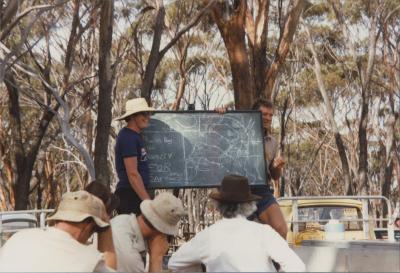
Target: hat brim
138,110
155,219
217,195
74,216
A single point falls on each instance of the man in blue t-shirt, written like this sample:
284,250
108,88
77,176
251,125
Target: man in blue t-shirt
131,157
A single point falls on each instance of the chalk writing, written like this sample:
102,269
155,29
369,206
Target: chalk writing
196,149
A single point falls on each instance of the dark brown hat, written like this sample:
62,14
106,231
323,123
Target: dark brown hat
111,201
235,189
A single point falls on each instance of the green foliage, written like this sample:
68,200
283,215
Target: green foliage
316,10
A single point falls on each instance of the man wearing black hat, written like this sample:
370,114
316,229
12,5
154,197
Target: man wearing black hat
235,244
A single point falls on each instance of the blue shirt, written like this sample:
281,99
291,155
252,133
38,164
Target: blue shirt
130,144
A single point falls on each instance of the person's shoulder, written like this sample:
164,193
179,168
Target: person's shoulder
29,232
122,220
128,136
27,236
127,132
260,227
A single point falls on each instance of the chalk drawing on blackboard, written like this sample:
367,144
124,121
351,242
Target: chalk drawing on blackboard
197,149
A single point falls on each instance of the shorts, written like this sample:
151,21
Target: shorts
267,199
129,201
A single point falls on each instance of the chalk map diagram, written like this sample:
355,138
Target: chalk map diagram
197,149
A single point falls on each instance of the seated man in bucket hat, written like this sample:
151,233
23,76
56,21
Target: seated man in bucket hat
134,235
235,244
62,247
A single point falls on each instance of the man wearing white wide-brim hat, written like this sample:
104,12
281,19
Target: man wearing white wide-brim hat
135,235
62,247
131,157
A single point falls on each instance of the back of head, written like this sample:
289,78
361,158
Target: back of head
101,191
234,197
78,206
164,212
262,102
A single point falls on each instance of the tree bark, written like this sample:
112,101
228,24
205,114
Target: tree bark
25,156
257,31
234,36
285,42
252,75
182,74
9,12
156,54
104,114
365,99
154,59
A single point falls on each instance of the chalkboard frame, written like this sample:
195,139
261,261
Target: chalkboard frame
266,170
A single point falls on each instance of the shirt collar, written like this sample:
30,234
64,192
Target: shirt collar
238,217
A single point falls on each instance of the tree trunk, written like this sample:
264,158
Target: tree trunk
156,54
330,116
179,93
285,42
154,58
9,12
363,144
105,93
257,30
233,34
252,75
25,157
182,74
364,77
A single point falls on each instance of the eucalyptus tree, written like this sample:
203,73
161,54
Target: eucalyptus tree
342,150
244,26
42,84
333,77
105,93
157,10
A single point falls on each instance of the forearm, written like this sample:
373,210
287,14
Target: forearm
275,184
137,184
155,263
276,173
106,246
158,246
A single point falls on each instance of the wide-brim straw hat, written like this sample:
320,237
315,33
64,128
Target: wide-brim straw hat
164,212
134,106
234,189
78,206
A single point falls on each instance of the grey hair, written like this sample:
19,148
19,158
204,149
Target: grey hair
231,210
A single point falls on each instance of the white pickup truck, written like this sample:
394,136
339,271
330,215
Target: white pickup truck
12,221
336,234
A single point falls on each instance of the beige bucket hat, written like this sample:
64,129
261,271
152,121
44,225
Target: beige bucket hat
79,205
135,106
164,212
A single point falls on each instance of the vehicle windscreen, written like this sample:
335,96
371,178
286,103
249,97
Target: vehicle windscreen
319,216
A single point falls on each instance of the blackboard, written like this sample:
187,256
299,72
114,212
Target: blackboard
198,148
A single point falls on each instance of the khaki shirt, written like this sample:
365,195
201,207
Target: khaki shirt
129,243
271,148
